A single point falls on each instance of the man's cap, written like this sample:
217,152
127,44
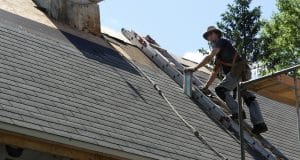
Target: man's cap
211,29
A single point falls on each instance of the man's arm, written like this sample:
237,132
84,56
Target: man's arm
206,59
212,76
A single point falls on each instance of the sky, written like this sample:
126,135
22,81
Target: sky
176,25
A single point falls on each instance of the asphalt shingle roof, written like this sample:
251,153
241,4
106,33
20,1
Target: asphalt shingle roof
84,91
61,84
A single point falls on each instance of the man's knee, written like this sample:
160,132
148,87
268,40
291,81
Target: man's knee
249,100
221,92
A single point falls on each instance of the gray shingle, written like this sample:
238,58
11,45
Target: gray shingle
51,113
65,109
4,102
24,107
27,124
34,120
6,119
6,112
14,110
41,100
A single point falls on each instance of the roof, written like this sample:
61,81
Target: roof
58,86
66,86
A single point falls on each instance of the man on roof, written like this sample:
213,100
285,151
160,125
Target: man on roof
236,69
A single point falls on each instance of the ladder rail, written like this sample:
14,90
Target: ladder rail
178,65
201,98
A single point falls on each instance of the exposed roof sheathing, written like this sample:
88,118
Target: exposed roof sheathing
280,88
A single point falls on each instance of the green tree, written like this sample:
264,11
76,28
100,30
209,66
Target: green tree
241,26
281,37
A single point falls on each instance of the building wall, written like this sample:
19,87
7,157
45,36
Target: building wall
38,149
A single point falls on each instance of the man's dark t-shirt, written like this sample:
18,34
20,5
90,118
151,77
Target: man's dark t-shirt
226,53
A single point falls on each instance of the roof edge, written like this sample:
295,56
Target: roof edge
72,143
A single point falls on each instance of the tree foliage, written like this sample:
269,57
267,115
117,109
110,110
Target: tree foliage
241,26
281,37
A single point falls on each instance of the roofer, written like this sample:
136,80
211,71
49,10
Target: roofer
236,69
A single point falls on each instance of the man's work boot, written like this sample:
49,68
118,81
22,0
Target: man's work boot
259,128
235,116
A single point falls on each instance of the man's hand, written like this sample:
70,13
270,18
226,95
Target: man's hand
193,69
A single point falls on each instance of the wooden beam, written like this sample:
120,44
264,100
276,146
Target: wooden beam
53,148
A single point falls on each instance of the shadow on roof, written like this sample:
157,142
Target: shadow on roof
100,53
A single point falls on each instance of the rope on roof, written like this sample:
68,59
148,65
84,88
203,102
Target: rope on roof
195,132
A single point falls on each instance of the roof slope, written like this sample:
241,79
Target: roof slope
60,84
